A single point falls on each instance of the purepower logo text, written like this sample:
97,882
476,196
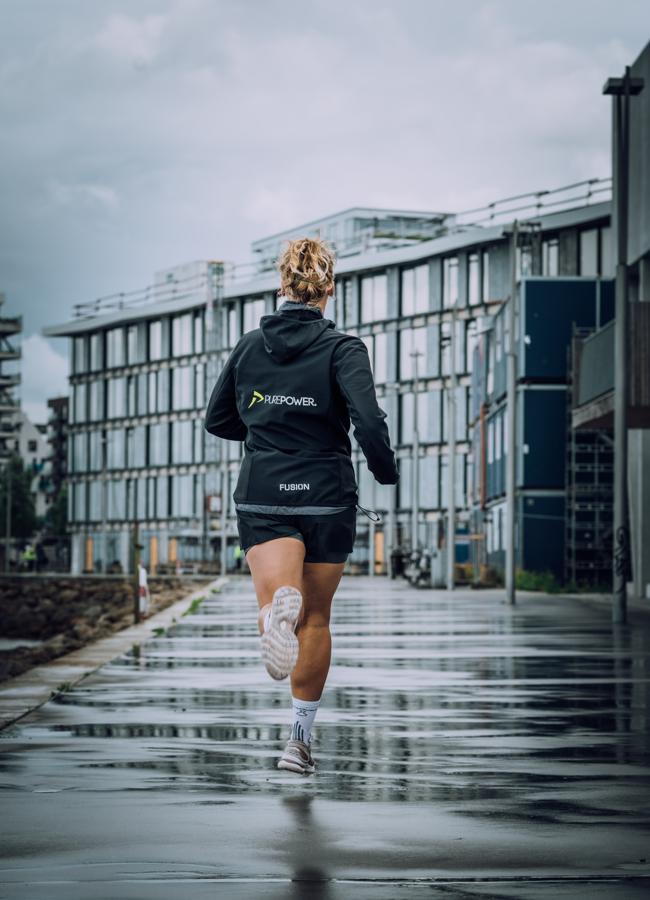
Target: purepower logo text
280,399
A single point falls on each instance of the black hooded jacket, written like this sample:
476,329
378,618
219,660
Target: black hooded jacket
289,390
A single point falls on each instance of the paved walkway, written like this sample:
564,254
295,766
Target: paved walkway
465,749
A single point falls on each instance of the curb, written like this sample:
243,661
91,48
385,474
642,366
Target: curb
23,694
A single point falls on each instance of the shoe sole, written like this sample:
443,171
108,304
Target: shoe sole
279,644
292,766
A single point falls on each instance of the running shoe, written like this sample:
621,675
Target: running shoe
297,758
279,643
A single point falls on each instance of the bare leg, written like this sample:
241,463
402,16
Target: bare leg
273,564
320,581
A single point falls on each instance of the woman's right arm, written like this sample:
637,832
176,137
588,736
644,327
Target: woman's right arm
222,416
353,373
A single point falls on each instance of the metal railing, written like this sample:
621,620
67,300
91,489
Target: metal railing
520,206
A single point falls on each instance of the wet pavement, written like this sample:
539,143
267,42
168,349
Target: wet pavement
464,749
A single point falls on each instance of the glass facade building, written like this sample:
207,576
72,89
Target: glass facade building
140,380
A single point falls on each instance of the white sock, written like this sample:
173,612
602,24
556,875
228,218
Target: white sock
304,713
267,620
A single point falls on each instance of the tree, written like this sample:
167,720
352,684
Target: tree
56,518
24,520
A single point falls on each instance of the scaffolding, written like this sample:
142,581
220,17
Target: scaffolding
589,490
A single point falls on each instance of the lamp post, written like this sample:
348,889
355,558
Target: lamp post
511,421
389,537
415,480
621,89
8,500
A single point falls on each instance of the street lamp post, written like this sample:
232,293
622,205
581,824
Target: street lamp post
8,514
511,421
223,511
451,467
415,480
621,89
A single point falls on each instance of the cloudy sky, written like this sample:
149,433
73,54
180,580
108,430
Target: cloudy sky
138,135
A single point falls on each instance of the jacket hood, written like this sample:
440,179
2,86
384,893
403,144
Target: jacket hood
291,329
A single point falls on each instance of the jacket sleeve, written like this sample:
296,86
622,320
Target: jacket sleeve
351,366
222,416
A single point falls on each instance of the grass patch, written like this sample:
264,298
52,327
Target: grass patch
194,605
546,582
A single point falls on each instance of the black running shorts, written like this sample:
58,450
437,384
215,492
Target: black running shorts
327,538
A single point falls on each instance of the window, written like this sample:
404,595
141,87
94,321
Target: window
95,504
380,362
199,386
153,392
162,497
182,335
589,252
96,351
159,444
141,503
429,423
80,501
182,442
163,390
450,281
234,332
460,347
132,344
198,441
415,290
253,312
142,394
32,446
198,332
551,257
156,350
182,383
131,395
429,482
472,339
374,298
485,276
80,452
183,496
96,411
607,267
115,448
445,348
524,261
136,447
350,310
80,397
115,348
80,358
116,398
473,282
95,452
116,506
412,341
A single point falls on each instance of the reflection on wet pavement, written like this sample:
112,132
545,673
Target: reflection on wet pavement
461,746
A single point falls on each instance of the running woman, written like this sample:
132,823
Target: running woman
289,391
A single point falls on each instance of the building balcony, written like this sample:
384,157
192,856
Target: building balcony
594,374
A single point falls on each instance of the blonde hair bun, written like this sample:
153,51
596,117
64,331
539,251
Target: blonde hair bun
306,268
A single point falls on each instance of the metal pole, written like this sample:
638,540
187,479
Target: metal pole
104,502
451,464
621,533
8,515
511,421
136,574
371,532
224,499
415,481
